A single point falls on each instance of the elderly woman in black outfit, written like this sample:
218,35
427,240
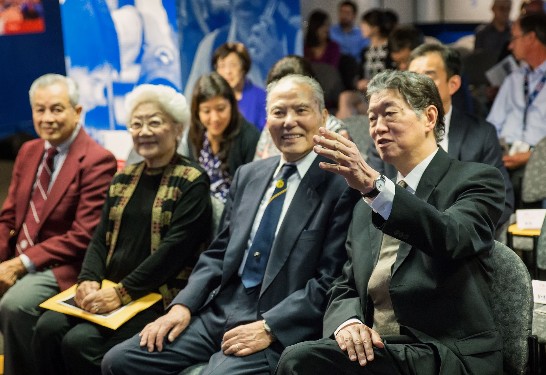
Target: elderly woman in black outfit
155,221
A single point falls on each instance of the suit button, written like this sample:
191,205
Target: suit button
12,233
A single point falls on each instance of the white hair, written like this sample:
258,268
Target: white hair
171,101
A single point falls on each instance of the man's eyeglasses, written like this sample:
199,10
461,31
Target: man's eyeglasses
516,37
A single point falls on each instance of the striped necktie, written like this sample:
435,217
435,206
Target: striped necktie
259,251
29,230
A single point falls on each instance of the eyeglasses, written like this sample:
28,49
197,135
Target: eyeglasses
516,37
155,123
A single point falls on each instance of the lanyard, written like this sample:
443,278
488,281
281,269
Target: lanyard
529,98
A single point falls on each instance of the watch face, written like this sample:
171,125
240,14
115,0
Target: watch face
380,183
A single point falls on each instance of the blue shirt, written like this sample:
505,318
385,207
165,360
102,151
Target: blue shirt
252,104
351,43
507,111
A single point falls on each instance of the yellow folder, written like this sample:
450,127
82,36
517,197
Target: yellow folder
64,303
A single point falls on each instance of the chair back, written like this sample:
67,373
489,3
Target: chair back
541,247
533,185
512,304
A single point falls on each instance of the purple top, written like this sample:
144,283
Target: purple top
252,104
330,56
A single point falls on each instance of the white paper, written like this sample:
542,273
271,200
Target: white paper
530,218
496,74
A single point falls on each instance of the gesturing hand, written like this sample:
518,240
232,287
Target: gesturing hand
170,325
348,160
358,340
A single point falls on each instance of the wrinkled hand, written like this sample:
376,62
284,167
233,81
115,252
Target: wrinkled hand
348,160
517,160
358,341
170,325
10,271
246,339
101,301
84,289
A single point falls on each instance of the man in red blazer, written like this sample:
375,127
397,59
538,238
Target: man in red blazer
46,224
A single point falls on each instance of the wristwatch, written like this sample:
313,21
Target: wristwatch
378,186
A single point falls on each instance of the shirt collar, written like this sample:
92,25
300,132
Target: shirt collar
302,164
413,178
63,147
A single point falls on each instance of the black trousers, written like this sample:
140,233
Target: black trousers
324,357
63,344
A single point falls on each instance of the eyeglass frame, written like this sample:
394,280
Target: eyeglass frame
150,124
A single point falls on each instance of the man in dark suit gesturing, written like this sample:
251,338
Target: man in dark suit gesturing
261,285
466,137
419,250
53,205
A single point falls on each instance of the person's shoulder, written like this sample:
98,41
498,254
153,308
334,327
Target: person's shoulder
188,169
94,149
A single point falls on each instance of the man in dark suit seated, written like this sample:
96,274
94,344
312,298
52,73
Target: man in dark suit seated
53,205
466,137
419,250
242,306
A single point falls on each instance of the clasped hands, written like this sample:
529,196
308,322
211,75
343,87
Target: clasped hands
240,341
358,340
90,297
349,163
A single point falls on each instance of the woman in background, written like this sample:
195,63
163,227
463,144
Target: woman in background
219,137
317,46
232,61
155,221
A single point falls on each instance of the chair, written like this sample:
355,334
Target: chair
533,186
512,296
541,248
194,370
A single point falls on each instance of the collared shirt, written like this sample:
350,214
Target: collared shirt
509,106
382,203
293,183
58,162
351,43
444,143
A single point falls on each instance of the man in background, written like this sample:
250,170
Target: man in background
346,33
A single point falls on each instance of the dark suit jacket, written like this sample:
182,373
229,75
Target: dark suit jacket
71,212
469,140
439,286
306,256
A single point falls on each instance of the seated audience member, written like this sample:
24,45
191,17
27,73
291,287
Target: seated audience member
153,226
219,138
317,46
290,64
53,205
519,110
261,285
466,138
376,25
493,37
402,40
345,33
232,61
414,248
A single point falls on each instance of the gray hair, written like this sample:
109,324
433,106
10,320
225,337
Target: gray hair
172,102
51,79
418,91
299,79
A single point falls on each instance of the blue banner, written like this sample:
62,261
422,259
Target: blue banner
111,46
270,29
